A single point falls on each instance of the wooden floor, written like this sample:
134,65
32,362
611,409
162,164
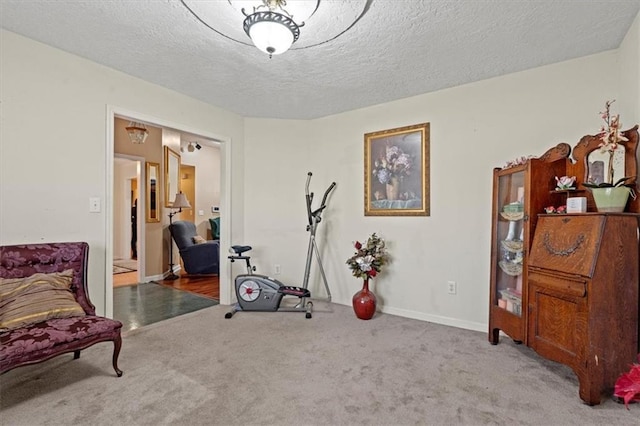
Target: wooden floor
204,285
127,278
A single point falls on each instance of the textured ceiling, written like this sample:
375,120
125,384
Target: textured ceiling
399,48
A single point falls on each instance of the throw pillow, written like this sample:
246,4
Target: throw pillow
25,301
199,240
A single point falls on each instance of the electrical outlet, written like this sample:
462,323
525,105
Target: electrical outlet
451,287
276,269
94,205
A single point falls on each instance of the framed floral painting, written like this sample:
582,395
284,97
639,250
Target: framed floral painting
396,172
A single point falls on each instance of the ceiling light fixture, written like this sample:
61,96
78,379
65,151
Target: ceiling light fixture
137,132
190,147
272,31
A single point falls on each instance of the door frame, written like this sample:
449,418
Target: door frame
225,194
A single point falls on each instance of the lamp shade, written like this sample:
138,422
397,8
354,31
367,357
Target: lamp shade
180,202
271,32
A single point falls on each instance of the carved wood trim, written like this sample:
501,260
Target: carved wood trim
558,152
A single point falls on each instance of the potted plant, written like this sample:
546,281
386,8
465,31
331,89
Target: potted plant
366,263
608,195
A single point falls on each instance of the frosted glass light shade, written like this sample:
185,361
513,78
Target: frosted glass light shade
271,37
271,32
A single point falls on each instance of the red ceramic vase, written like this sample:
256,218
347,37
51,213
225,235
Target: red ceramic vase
364,302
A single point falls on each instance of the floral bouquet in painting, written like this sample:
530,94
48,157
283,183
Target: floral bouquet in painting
369,258
394,163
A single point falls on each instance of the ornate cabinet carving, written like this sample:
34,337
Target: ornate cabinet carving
583,295
519,194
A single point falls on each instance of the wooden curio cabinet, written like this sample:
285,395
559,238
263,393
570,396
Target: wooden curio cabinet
568,285
519,194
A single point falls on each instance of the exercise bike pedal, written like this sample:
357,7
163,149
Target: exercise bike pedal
289,290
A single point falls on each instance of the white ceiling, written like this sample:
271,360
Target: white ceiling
399,48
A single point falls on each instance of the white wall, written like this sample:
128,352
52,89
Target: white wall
53,145
207,163
629,69
474,128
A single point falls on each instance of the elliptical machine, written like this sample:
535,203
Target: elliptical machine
262,293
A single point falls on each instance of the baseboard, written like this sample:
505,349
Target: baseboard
164,275
436,319
158,277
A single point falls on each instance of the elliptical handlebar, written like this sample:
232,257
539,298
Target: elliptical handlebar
315,214
308,197
326,194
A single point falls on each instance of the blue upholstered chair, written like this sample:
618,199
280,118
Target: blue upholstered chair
198,257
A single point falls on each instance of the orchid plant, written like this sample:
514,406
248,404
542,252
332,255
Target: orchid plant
369,257
611,137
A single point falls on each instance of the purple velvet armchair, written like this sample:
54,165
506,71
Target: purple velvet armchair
46,339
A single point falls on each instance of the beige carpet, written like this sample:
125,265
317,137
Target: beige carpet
282,369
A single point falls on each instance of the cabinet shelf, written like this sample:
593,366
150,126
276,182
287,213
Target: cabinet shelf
567,191
511,301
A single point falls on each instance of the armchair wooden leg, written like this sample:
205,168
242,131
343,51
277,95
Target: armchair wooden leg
76,354
117,344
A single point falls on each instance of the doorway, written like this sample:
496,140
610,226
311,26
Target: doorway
127,229
223,208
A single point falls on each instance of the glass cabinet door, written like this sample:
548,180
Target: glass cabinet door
509,238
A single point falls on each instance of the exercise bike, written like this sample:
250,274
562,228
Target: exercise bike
262,293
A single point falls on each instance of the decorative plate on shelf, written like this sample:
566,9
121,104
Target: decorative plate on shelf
509,268
512,246
512,215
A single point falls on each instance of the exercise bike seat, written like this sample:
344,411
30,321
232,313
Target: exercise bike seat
289,290
238,250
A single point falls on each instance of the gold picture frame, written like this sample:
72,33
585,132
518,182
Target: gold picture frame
171,175
396,172
152,192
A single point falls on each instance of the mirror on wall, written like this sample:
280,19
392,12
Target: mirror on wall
598,165
152,205
171,175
